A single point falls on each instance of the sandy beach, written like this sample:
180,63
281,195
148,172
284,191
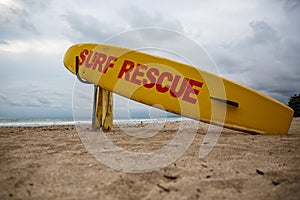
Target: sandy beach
50,162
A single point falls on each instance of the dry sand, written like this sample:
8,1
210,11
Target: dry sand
50,162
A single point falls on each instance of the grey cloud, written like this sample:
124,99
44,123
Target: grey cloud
227,60
288,51
138,18
158,26
3,98
262,33
15,23
265,60
29,99
36,6
9,101
34,81
87,27
290,5
3,42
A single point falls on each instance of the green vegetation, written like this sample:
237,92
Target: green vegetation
294,103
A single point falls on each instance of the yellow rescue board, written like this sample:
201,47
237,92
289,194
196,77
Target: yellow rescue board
178,88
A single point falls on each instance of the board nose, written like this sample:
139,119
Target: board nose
70,59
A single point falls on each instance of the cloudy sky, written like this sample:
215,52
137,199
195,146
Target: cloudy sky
255,43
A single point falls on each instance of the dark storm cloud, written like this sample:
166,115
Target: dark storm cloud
263,33
266,60
282,64
257,59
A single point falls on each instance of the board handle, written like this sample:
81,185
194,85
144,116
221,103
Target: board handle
229,102
77,73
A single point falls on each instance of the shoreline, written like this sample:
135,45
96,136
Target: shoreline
36,122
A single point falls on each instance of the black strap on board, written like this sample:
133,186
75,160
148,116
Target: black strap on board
77,73
231,103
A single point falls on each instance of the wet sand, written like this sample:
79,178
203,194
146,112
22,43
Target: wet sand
51,162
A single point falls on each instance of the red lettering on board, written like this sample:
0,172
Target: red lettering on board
182,86
150,75
83,55
99,60
160,80
87,62
191,90
178,86
96,60
137,73
109,63
140,74
126,70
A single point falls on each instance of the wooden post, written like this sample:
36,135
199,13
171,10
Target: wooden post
95,123
103,113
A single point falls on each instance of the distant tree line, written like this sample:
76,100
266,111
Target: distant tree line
294,103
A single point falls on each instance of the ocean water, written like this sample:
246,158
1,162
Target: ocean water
35,121
71,121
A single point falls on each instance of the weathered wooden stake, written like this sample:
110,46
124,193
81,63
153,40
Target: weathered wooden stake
103,109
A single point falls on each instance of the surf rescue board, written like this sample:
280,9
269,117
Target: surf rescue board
178,88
